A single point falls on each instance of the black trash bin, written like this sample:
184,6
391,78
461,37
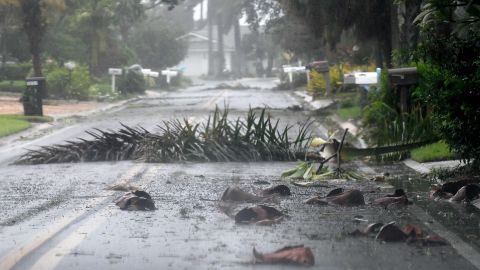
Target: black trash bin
32,96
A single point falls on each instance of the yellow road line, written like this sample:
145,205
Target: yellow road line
10,260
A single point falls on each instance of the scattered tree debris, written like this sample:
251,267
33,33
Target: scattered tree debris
136,200
398,198
258,213
281,190
463,190
235,194
123,187
466,193
352,197
370,228
391,233
257,137
293,255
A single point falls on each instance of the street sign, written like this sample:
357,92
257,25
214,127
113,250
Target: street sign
115,71
169,74
154,74
293,69
146,71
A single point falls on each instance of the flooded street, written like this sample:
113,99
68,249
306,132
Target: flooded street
62,216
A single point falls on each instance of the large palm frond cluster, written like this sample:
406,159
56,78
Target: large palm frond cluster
255,138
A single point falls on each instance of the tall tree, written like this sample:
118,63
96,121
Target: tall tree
35,17
127,14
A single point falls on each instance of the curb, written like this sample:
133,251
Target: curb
56,119
315,104
427,167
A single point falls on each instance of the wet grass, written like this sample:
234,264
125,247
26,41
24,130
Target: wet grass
13,123
354,112
10,126
432,152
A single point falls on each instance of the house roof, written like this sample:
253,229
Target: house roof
197,37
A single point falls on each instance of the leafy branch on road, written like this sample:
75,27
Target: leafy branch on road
257,137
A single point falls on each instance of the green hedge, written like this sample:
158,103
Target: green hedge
14,72
61,83
12,86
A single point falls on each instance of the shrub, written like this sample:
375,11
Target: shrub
450,85
61,83
57,81
80,83
384,124
102,91
14,72
317,85
16,86
132,83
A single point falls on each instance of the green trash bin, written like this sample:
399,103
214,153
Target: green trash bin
32,96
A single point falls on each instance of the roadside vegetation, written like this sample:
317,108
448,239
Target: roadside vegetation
432,152
10,124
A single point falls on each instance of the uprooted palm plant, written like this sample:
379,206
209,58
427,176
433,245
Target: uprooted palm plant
330,150
255,138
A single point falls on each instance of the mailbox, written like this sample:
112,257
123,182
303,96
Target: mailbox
403,76
319,66
402,80
32,96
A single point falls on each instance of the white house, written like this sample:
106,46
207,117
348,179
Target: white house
196,60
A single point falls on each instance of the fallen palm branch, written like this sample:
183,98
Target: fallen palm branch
255,138
333,150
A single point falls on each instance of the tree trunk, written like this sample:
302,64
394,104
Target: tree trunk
34,27
237,65
210,37
270,58
220,50
3,48
387,35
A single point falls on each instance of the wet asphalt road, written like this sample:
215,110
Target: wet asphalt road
61,217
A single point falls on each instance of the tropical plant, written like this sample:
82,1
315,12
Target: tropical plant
450,71
257,137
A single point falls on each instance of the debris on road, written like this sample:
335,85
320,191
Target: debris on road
266,215
462,190
123,187
281,190
392,233
352,197
370,228
398,198
136,200
293,255
257,137
235,194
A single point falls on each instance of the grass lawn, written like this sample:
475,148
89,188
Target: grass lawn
432,152
354,112
10,124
